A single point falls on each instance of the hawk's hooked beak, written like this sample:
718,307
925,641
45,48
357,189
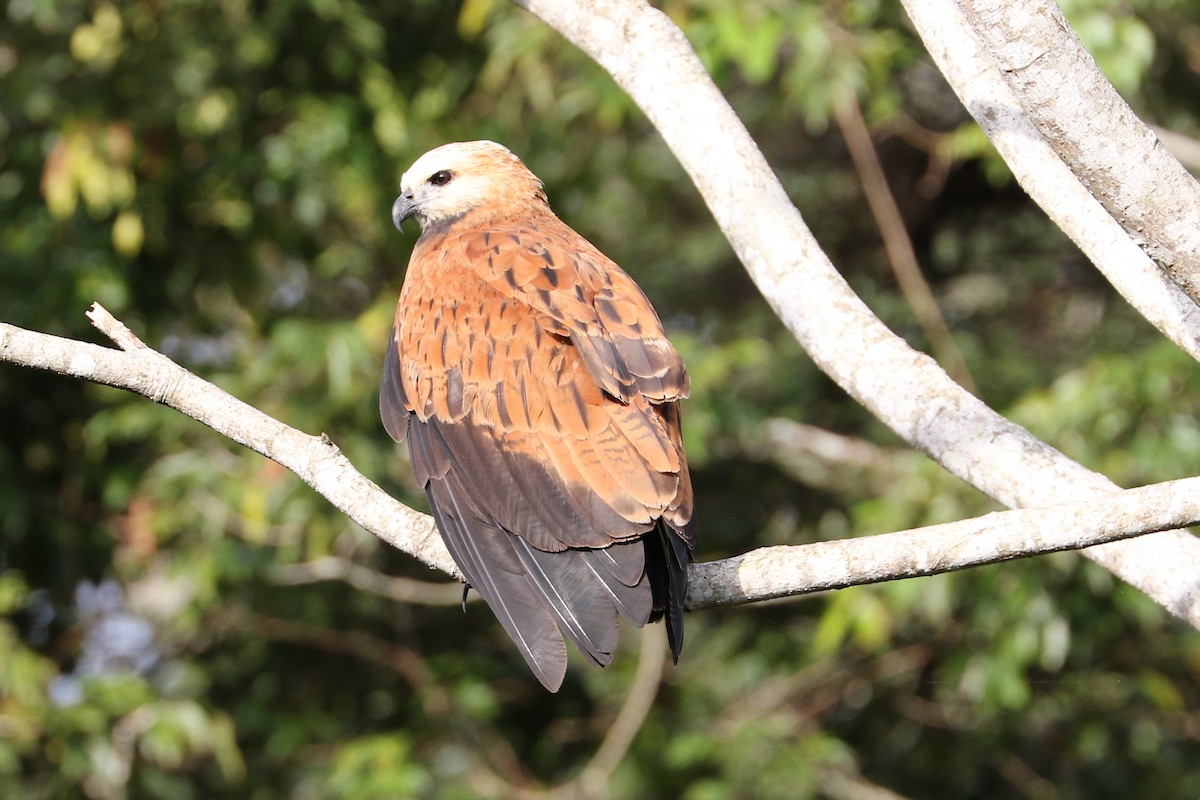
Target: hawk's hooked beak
404,208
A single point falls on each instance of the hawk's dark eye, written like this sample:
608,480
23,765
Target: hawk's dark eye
440,178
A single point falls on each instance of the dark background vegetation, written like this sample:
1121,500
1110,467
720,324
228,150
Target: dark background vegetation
219,175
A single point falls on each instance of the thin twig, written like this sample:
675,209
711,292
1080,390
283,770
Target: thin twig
1024,779
114,329
638,702
896,242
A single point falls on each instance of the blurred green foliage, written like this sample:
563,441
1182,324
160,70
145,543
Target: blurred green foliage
219,176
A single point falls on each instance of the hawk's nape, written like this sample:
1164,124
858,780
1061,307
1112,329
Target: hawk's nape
539,397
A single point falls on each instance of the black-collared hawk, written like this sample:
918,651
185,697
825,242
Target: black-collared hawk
539,397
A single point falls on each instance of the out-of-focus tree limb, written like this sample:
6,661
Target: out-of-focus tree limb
1185,148
826,460
1093,130
592,781
896,241
365,579
759,575
650,59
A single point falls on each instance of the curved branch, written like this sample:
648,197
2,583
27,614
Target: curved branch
978,82
318,462
762,574
1093,130
653,62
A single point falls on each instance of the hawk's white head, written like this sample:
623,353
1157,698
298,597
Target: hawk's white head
450,181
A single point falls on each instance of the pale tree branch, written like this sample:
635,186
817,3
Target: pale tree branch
1093,130
649,57
318,462
980,85
759,575
772,572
